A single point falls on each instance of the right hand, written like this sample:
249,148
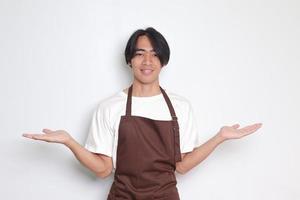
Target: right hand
58,136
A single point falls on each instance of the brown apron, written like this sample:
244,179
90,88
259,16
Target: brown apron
146,157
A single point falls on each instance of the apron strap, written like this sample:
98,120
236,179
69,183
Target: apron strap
128,104
175,126
168,101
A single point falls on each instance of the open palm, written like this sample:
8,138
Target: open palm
234,132
58,136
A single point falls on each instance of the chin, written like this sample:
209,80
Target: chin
146,81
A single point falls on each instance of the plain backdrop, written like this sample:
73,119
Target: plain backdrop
237,61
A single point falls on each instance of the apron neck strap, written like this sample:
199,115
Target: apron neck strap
128,104
168,101
170,106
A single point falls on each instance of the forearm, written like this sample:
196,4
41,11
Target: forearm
192,159
92,161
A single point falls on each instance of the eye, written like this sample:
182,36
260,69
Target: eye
154,54
138,54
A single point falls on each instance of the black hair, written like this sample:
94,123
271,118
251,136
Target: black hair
158,42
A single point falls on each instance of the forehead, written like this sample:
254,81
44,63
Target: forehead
143,42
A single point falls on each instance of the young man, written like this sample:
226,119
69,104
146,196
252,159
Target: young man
144,133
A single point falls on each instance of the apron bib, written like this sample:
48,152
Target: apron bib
147,153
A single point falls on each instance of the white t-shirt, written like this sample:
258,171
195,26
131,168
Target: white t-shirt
103,132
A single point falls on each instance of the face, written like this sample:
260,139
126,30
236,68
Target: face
145,63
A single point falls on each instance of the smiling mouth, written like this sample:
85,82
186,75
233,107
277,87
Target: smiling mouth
146,71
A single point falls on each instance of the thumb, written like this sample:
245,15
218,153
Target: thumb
47,131
235,126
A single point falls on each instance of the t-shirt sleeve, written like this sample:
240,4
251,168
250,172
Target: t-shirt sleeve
100,136
188,130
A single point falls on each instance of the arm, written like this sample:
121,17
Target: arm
192,159
100,164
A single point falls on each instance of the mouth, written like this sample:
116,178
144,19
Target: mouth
147,71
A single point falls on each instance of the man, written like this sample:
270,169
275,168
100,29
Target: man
144,133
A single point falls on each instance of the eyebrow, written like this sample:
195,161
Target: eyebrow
152,50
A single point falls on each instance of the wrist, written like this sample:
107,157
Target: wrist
69,142
219,138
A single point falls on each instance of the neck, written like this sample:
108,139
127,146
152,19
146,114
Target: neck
145,90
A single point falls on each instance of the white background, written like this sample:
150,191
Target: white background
236,61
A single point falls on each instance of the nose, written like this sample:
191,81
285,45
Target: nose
147,59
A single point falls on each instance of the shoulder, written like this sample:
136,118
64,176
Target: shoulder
178,101
177,97
112,102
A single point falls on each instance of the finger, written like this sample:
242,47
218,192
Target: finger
35,136
235,126
250,129
47,131
27,135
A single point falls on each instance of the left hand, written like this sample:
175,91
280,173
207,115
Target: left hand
234,132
